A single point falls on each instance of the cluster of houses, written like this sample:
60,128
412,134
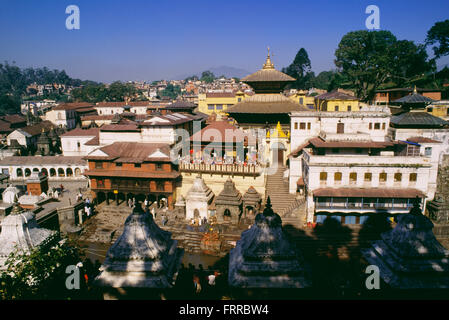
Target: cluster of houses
325,152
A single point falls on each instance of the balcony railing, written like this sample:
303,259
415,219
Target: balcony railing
231,169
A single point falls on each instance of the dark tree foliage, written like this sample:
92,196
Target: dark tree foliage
117,91
207,76
171,91
369,59
438,36
301,70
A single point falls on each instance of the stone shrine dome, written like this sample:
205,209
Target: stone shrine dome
144,256
264,257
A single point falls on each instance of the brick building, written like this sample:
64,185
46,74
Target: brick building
127,170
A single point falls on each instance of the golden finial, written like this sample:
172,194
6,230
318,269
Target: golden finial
268,64
414,90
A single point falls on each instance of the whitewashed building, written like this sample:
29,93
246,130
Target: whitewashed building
353,170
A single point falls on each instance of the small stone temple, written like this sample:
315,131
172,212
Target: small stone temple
264,257
198,199
409,256
228,203
37,184
142,263
180,208
251,203
20,232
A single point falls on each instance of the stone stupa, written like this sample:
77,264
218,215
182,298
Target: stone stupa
21,232
409,256
265,258
143,257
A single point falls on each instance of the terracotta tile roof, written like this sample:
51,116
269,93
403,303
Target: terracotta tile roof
78,132
133,152
13,118
169,119
320,143
368,193
132,174
422,140
219,131
97,117
95,141
73,106
335,95
122,104
36,129
181,105
120,127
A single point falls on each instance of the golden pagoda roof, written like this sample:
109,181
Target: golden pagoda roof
268,73
267,103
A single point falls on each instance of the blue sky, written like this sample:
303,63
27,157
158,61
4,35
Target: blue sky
150,40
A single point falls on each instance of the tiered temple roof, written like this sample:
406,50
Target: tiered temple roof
199,191
144,256
229,195
409,256
264,257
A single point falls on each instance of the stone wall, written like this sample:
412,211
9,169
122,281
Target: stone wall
443,191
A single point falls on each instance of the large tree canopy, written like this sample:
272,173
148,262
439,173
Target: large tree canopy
370,58
301,70
438,35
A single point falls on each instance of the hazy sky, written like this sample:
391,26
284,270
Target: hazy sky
151,40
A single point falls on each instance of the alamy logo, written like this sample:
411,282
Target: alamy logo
372,22
73,280
73,20
373,280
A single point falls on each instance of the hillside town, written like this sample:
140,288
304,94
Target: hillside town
276,185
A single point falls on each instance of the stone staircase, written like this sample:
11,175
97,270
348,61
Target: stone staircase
282,201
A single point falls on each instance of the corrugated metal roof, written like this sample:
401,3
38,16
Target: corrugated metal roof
417,119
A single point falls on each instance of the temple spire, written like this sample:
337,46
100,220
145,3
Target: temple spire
268,64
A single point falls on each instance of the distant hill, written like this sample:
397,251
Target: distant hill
226,71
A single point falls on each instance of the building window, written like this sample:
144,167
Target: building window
78,144
377,126
336,108
100,183
137,165
323,176
309,125
383,177
118,164
296,125
370,126
19,172
160,186
340,127
383,126
210,107
349,108
429,109
337,176
98,165
397,177
428,151
353,177
412,151
335,150
219,107
302,126
368,176
158,166
413,177
239,99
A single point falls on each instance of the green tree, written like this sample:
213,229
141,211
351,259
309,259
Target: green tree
438,35
368,59
301,70
207,76
171,91
41,273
